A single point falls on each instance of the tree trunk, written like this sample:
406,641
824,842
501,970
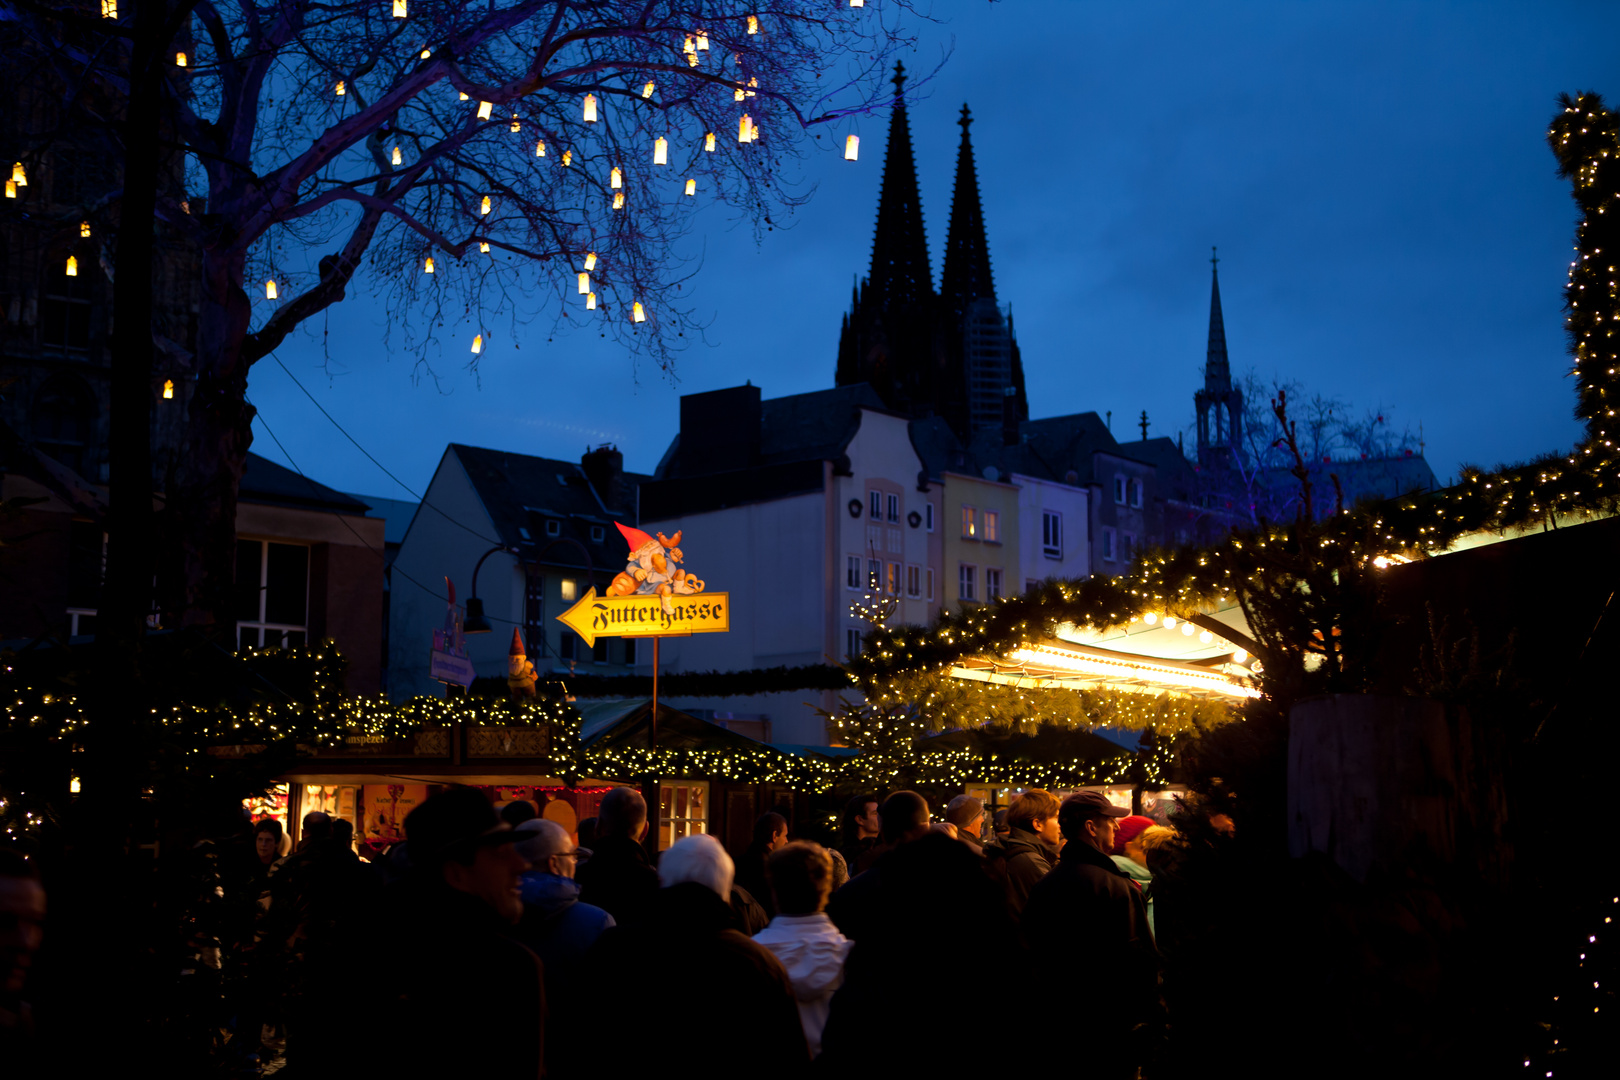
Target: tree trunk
219,435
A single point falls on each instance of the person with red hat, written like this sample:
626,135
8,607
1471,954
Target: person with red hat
1129,857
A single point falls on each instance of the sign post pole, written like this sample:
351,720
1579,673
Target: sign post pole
652,738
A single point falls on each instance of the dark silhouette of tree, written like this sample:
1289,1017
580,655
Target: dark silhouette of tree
513,146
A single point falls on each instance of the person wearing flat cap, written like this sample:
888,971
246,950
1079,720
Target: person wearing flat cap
1087,920
443,973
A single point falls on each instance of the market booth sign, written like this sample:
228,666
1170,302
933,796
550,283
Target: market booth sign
647,616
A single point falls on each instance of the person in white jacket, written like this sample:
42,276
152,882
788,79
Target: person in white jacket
802,937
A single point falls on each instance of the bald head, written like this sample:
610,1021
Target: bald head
904,815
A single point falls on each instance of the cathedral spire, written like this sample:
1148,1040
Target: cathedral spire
1217,371
901,275
966,276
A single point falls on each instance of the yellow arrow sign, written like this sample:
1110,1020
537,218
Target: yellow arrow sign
644,616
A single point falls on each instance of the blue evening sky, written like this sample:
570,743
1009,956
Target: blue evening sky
1392,231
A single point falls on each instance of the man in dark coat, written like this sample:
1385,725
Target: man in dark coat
770,834
1031,847
906,916
618,877
443,974
858,840
1087,916
729,1008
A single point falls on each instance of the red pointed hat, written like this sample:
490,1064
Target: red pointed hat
634,537
517,648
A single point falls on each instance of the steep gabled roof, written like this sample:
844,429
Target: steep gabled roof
817,425
1176,473
522,492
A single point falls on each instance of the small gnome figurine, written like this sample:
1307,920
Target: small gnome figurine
520,674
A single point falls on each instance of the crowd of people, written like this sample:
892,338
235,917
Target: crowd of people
491,939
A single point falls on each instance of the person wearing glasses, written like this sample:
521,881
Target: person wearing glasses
555,924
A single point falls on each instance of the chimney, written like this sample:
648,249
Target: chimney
720,430
604,468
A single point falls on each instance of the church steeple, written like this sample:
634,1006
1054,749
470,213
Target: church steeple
1217,371
967,252
1219,405
901,275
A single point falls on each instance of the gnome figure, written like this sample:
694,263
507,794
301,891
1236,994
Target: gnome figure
652,569
520,674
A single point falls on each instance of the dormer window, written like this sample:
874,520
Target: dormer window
553,528
597,534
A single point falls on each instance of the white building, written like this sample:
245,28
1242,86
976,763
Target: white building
795,507
1053,530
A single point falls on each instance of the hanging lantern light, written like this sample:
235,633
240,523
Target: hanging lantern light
738,94
703,41
426,53
398,160
483,207
661,152
516,126
753,24
584,284
618,200
857,3
616,178
341,90
752,82
590,108
708,142
399,9
590,301
691,186
590,260
478,343
540,148
636,314
84,228
270,289
485,110
483,245
72,267
11,189
168,389
745,129
179,59
690,46
647,91
852,148
463,97
19,176
109,9
691,60
427,267
568,158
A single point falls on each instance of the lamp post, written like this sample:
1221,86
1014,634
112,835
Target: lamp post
475,622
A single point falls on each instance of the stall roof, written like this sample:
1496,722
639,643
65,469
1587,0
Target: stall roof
624,722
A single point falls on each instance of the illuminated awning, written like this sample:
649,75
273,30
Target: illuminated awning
1051,663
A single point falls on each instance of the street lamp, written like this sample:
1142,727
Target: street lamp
475,621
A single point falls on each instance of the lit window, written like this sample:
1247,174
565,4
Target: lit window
965,575
894,507
852,571
894,579
1052,534
992,527
683,810
570,589
992,583
970,523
